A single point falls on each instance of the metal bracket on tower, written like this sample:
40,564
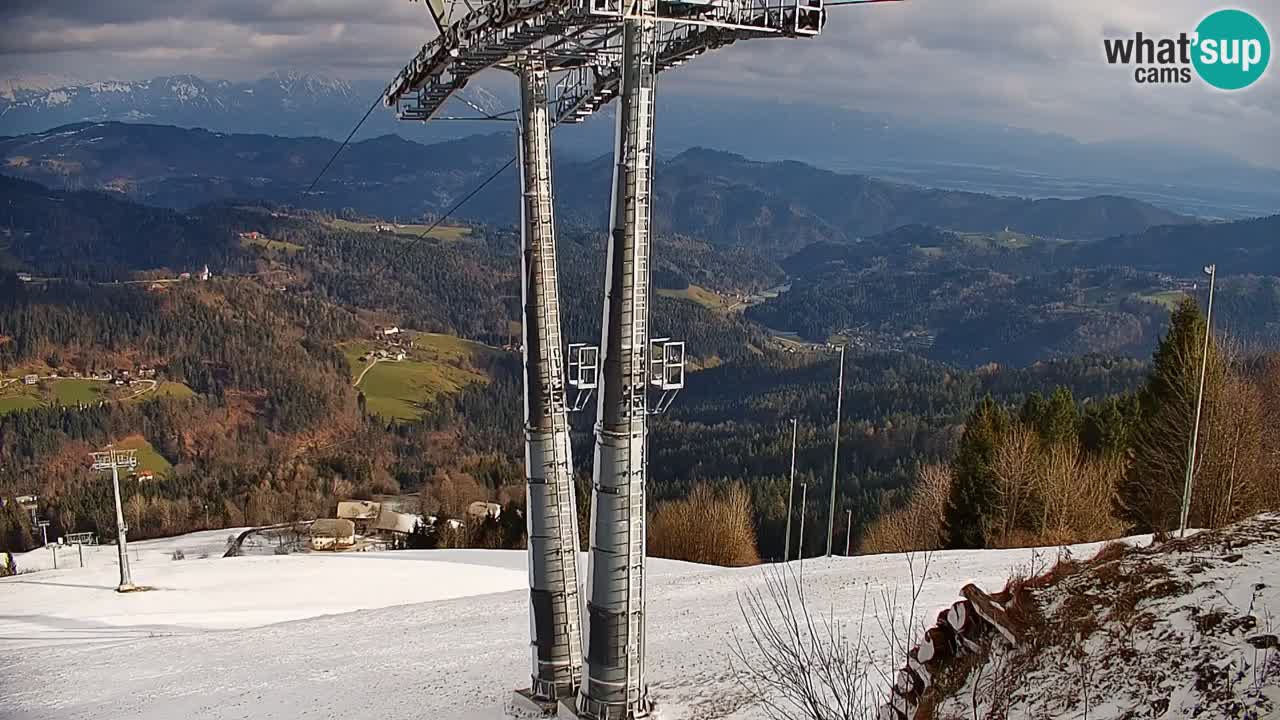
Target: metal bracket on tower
666,371
584,374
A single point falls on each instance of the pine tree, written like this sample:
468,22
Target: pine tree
1033,409
1107,427
1060,421
1152,490
15,527
973,497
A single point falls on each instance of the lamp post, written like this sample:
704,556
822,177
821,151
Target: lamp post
848,532
804,502
1212,271
113,460
835,459
791,491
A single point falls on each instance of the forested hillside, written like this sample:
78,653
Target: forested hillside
971,298
273,421
774,208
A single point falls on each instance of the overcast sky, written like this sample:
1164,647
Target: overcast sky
1035,64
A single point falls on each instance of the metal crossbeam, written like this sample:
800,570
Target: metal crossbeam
573,34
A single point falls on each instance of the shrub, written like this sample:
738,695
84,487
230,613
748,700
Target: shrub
918,525
709,526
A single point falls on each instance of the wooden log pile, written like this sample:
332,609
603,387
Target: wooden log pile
959,630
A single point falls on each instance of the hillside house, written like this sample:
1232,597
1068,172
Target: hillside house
31,379
392,523
363,514
332,534
480,510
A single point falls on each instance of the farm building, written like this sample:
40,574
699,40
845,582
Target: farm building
391,522
375,519
479,510
362,513
332,534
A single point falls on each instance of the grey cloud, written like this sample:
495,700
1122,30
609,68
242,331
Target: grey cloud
1033,64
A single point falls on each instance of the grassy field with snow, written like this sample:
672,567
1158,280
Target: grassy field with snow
422,634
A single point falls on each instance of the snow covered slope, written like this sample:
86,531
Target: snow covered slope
1185,629
213,593
430,634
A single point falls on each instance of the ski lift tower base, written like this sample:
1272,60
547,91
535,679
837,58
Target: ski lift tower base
526,705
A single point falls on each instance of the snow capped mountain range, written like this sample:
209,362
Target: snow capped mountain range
284,103
980,158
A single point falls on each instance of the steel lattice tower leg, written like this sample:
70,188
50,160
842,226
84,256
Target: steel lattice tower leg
613,685
554,604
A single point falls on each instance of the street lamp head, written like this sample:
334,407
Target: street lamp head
1210,269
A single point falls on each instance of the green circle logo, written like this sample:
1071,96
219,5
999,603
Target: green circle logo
1232,49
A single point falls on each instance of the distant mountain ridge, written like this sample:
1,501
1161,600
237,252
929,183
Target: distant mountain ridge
286,103
980,158
729,200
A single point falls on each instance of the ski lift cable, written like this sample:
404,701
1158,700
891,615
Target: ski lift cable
454,208
377,101
502,116
448,213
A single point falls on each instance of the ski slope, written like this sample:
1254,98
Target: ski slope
406,634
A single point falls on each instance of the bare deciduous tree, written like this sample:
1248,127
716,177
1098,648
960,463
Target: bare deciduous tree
801,665
709,526
918,526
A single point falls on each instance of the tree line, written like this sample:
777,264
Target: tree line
1047,473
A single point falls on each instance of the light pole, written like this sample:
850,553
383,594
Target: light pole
848,532
835,459
1212,271
791,491
113,460
804,502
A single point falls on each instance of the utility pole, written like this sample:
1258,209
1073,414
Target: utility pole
835,458
848,532
113,460
791,491
1212,271
804,501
